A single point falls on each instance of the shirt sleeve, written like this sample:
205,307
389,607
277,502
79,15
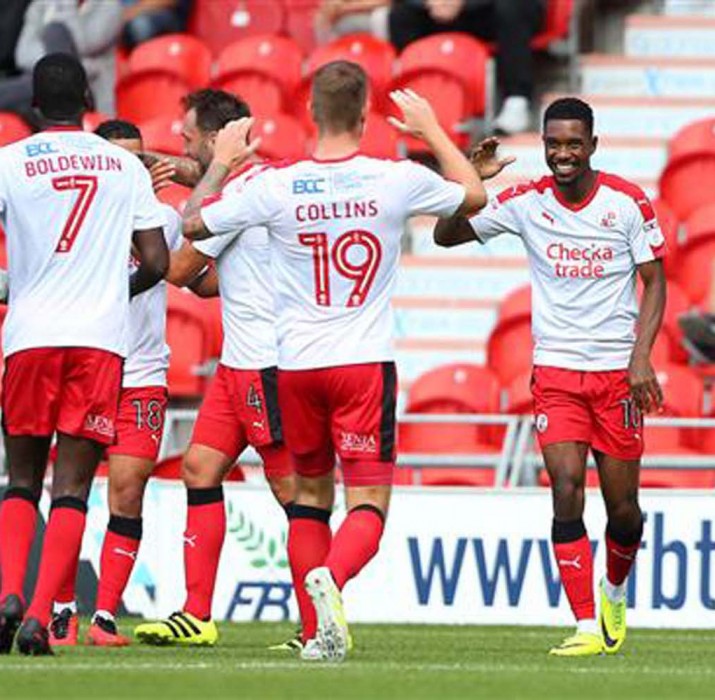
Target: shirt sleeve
499,216
172,228
428,192
645,238
214,246
147,209
235,209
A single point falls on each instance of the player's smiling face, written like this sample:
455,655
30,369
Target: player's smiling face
568,147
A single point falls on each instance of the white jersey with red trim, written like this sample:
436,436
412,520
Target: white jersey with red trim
148,358
583,261
334,230
69,202
246,288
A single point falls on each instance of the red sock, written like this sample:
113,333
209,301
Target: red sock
620,557
119,554
66,594
18,519
355,543
203,539
309,538
575,560
60,552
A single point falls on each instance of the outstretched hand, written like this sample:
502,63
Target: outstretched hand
418,117
232,147
485,161
161,172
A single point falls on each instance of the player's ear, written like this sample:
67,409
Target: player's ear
594,143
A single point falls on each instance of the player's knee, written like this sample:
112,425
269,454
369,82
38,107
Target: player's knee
625,516
127,498
568,494
283,488
317,492
199,474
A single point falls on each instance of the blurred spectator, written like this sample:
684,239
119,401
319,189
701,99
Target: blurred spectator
338,17
12,13
145,19
86,28
509,23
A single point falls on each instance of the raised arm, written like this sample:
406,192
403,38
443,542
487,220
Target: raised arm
645,388
154,260
231,150
419,120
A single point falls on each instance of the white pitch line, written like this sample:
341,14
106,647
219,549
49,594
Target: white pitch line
604,668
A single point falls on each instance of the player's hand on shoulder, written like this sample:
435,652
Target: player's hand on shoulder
233,147
418,117
485,160
645,388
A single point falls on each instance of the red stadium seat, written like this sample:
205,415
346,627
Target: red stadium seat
510,347
282,136
460,56
300,22
518,394
276,57
380,139
163,134
150,94
696,254
220,22
557,23
184,55
91,120
448,99
669,343
683,398
175,195
669,225
189,336
375,56
12,128
689,176
264,95
457,388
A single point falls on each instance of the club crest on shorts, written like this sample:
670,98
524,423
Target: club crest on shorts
542,422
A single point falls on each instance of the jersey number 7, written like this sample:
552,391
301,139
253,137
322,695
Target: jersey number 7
86,185
362,273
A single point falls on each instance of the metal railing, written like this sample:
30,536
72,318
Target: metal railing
515,464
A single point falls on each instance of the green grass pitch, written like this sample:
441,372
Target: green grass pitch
389,661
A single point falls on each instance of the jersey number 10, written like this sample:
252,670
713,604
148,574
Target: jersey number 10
86,185
362,274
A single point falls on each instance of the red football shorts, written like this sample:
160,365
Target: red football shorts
140,422
347,410
591,407
240,409
70,390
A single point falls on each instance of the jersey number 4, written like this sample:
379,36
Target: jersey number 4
362,273
86,185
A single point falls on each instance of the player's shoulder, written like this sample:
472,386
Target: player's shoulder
627,193
524,190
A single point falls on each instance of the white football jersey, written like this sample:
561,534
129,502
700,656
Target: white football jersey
148,358
69,202
334,230
583,262
246,288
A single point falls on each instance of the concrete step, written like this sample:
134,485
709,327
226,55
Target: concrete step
649,117
414,359
689,7
651,35
444,317
631,76
459,278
